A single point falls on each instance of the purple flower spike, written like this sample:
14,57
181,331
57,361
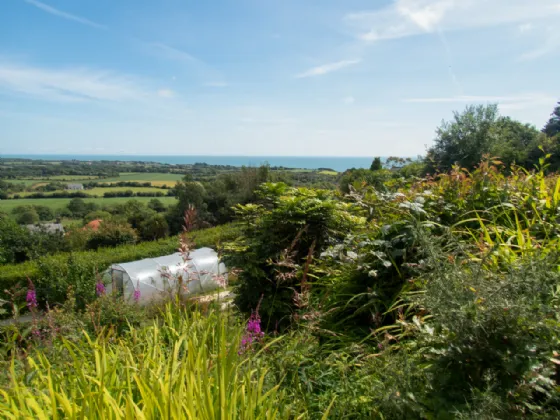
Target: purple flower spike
253,332
31,299
136,295
100,288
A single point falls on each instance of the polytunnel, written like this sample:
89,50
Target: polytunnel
152,278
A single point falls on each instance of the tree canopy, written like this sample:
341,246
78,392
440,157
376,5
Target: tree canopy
478,131
552,127
376,165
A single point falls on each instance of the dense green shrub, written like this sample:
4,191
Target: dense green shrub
15,241
28,217
291,227
111,234
154,227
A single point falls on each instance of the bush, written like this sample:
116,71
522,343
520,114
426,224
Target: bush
154,227
28,217
492,334
157,205
45,213
111,234
97,214
15,242
294,226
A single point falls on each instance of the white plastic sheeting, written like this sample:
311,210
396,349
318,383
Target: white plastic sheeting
154,277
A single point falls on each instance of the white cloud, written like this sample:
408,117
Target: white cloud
70,85
201,69
172,53
64,15
525,27
327,68
514,102
165,93
349,100
404,18
549,42
216,84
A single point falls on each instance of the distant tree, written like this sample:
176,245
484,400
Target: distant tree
78,207
552,127
188,193
112,234
479,131
157,205
28,217
154,227
15,241
514,142
396,162
45,213
376,165
97,215
465,139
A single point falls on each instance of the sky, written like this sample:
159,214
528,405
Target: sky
266,77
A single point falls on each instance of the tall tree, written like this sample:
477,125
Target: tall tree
552,127
465,139
376,165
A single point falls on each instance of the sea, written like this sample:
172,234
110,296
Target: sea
339,164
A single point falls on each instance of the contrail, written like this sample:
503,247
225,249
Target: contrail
454,77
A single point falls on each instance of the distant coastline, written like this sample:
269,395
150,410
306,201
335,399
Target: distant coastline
339,164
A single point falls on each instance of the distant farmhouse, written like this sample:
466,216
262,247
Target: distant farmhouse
75,187
46,227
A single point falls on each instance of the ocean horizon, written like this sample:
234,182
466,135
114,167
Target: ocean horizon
339,164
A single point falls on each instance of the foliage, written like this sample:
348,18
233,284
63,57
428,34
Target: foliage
356,178
376,165
53,274
111,234
15,241
479,131
153,228
279,237
552,127
28,217
186,367
157,205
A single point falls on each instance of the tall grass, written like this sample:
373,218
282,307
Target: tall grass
187,365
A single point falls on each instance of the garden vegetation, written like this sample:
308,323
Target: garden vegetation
428,291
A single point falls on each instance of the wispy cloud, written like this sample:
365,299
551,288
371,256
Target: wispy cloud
202,69
69,85
514,102
403,18
349,100
173,53
64,15
216,84
525,27
327,68
165,93
549,41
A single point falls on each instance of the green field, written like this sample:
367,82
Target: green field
98,192
145,177
58,203
26,182
72,178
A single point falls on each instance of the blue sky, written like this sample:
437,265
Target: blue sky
266,77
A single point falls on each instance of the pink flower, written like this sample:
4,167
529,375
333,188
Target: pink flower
136,295
100,288
253,332
31,299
